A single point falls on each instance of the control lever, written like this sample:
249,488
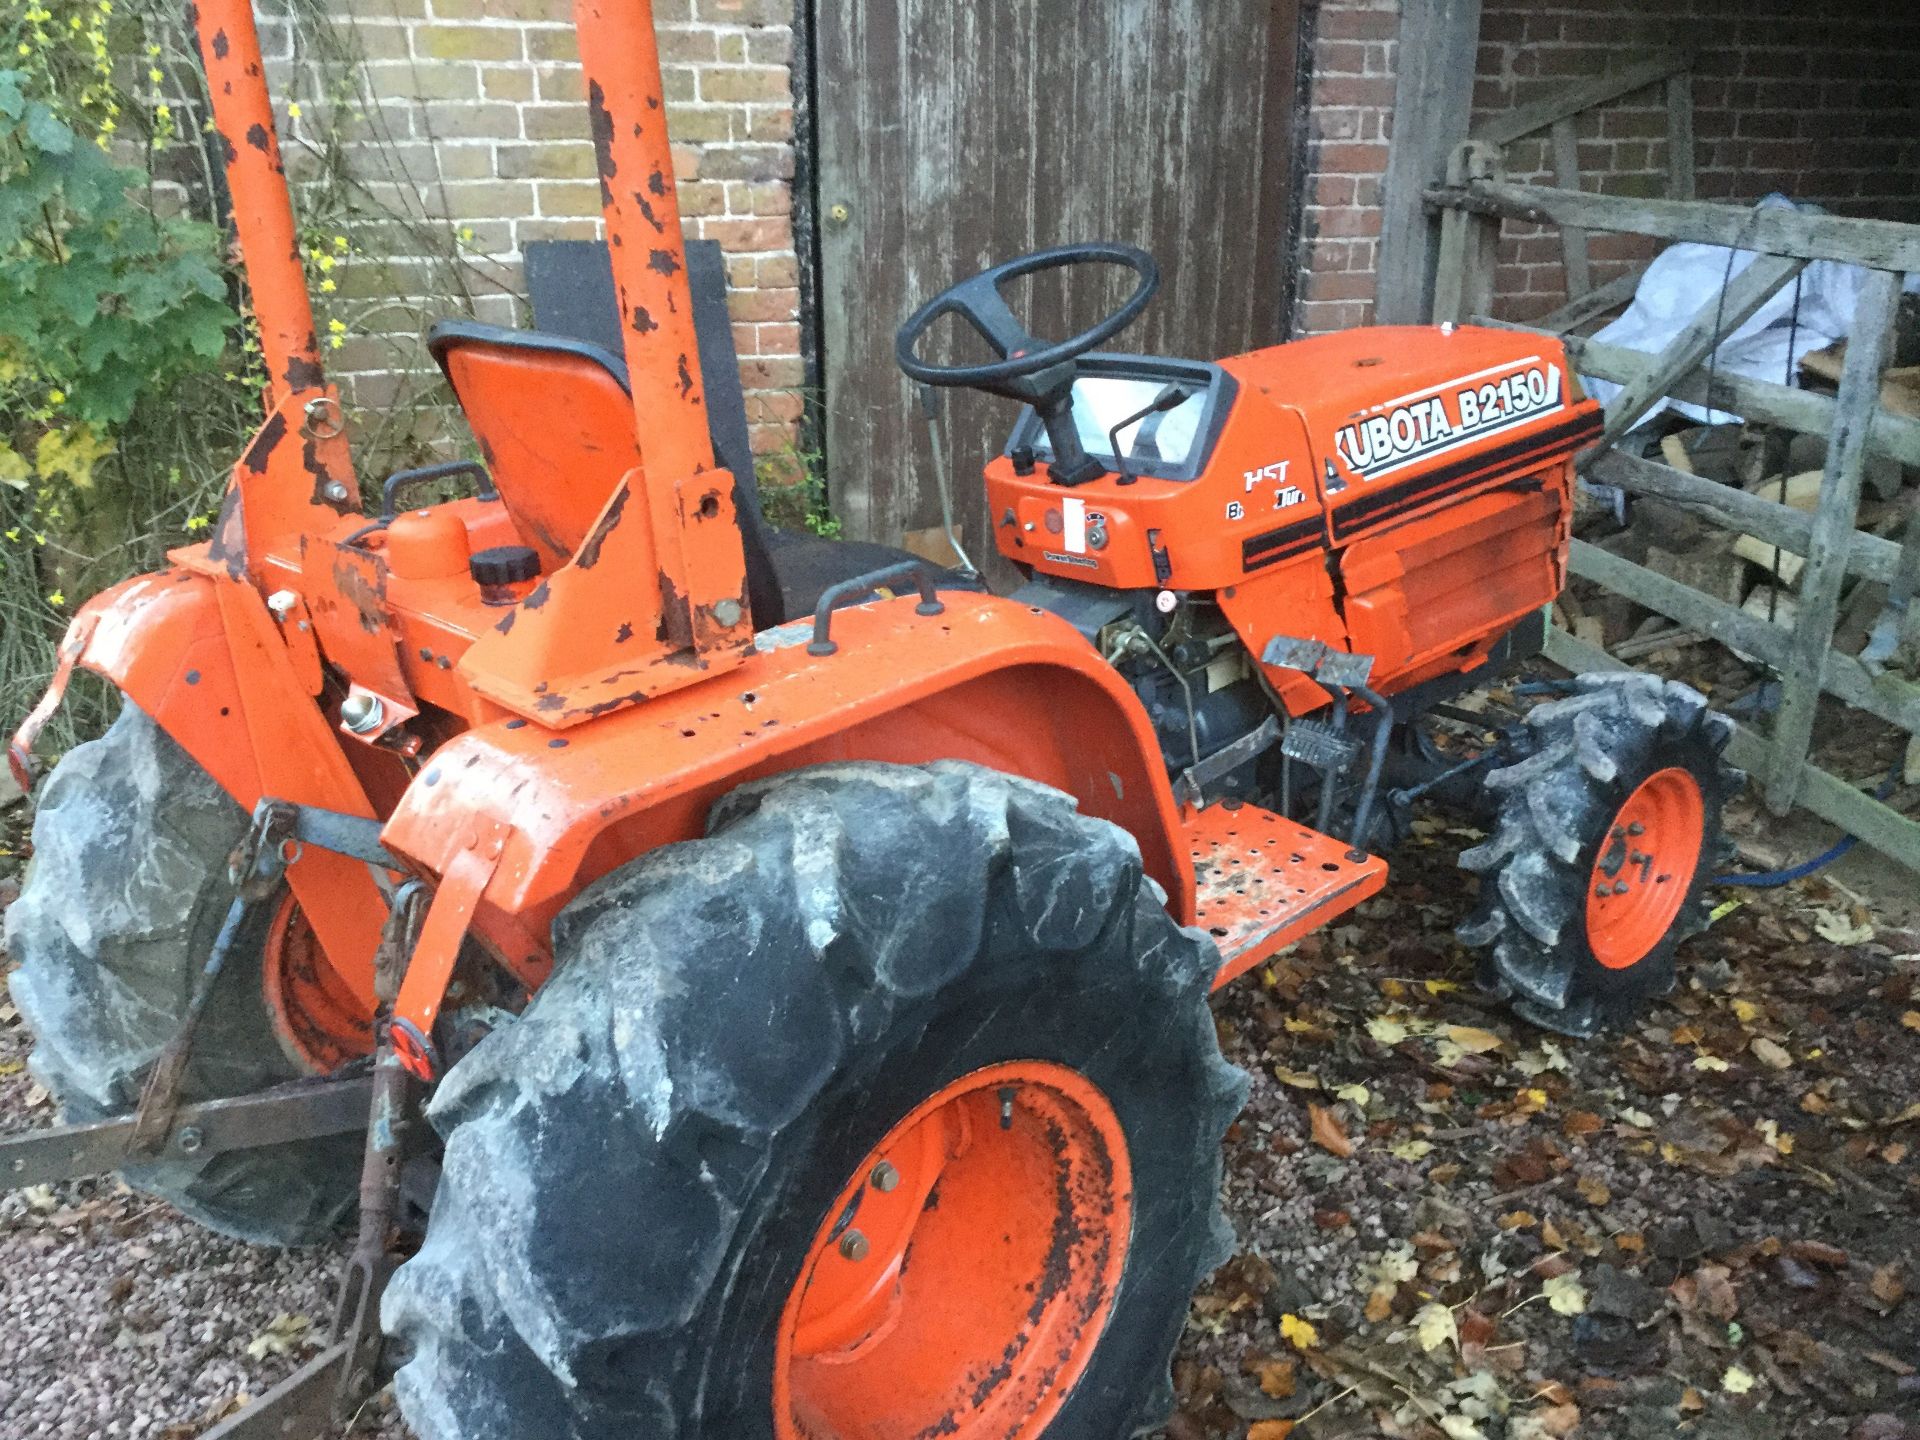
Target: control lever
1171,397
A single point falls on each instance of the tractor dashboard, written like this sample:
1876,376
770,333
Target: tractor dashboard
1139,416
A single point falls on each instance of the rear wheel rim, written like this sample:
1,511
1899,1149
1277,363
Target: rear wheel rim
965,1272
315,1014
1645,868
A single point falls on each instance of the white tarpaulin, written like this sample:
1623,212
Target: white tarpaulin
1794,321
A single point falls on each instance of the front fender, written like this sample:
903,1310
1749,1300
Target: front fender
988,681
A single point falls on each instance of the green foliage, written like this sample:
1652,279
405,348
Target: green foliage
99,297
793,492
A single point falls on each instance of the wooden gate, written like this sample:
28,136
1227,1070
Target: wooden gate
955,135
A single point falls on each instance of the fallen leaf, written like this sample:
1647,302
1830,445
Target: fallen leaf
1411,1150
1461,1427
1298,1079
1270,1430
1554,1422
1276,1378
1387,1032
1298,1333
1565,1295
1580,1123
1327,1133
1770,1054
279,1337
12,1067
1911,1019
1592,1191
1434,1326
1709,1062
1841,928
1354,1094
1736,1381
1746,1011
1473,1040
1379,1304
1887,1285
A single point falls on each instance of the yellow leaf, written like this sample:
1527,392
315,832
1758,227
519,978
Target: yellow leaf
1746,1011
1298,1333
1356,1094
1434,1326
1412,1150
1386,1031
1709,1062
1911,1019
1566,1295
1472,1039
1736,1381
14,469
1298,1079
72,452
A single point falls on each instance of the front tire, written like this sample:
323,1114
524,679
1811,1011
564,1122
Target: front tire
1608,835
664,1204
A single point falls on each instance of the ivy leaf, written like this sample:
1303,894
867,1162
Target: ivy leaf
47,132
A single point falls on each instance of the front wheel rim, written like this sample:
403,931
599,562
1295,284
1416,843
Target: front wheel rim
1645,869
962,1279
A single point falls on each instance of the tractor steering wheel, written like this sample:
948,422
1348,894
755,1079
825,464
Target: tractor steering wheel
1022,371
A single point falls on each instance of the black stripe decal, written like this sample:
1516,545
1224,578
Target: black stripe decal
1388,504
1257,551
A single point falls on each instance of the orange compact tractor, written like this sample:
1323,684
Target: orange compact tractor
801,955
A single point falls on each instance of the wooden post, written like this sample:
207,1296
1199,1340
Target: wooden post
1833,526
1566,170
1680,163
1432,107
1469,242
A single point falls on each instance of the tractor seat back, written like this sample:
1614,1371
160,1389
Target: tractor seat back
553,420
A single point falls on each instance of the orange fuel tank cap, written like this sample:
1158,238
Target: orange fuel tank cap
427,545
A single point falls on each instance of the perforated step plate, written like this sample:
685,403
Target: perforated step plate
1263,881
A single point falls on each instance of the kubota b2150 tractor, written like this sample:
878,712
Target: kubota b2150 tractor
802,956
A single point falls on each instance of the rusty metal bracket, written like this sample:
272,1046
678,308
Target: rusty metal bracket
430,968
305,1110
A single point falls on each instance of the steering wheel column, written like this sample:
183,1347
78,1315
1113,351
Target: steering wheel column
1034,372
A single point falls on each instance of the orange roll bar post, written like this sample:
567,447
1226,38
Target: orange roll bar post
621,57
257,182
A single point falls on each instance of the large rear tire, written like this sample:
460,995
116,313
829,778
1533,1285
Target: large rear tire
121,903
1609,833
893,1107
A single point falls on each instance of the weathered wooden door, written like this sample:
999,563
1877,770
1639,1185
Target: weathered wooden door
953,134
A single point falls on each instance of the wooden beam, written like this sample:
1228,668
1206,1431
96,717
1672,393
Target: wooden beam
1722,313
1869,556
1834,522
1469,244
1511,125
1680,156
1895,436
1439,45
1573,241
1590,306
1892,699
1774,230
1828,796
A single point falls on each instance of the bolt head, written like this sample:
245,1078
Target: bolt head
362,712
190,1139
335,491
885,1177
282,603
853,1245
1636,828
1166,602
728,612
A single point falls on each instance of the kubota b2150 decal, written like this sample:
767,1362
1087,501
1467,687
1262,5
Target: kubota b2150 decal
1431,422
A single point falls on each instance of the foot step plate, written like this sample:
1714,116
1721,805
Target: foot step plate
1262,881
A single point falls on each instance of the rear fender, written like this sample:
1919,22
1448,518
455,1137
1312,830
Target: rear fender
988,681
201,656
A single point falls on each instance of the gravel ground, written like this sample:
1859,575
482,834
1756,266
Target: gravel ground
1450,1225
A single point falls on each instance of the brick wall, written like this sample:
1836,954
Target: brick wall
472,123
1350,118
1818,101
